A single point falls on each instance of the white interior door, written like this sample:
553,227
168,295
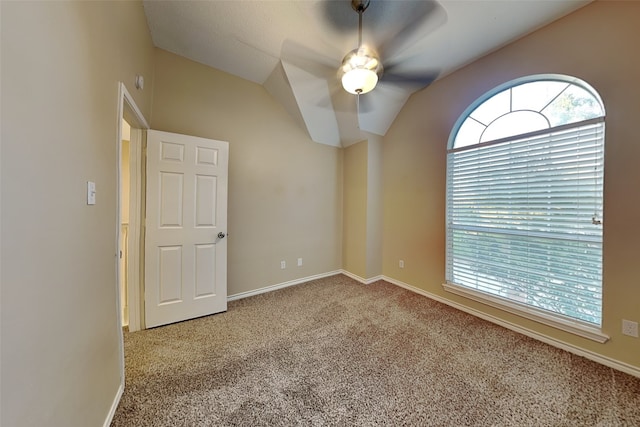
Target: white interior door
186,224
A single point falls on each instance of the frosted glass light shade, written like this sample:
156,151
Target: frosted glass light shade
359,80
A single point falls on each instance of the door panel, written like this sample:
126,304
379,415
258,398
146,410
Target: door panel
205,201
205,270
171,199
170,277
185,260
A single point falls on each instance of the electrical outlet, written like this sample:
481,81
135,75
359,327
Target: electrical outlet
630,328
299,262
401,263
283,264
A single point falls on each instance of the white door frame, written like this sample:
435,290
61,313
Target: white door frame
128,110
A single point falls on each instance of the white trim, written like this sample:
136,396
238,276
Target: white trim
121,90
532,134
123,97
516,82
126,95
135,217
281,285
529,313
361,279
135,226
603,360
114,406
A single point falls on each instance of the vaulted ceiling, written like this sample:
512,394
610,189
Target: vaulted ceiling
295,48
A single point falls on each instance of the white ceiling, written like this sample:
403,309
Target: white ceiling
249,39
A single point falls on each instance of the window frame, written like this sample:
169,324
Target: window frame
559,321
516,82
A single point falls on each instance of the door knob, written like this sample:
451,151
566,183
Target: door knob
221,235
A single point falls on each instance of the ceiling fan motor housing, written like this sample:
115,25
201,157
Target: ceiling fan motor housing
359,5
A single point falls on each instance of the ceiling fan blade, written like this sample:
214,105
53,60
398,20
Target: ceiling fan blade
423,18
310,60
310,75
342,101
339,15
336,98
389,26
319,65
415,80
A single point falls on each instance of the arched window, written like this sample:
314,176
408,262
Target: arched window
524,202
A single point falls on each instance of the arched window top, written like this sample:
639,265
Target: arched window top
525,105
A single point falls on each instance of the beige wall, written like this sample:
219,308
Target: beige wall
597,44
61,63
374,207
285,191
354,244
362,209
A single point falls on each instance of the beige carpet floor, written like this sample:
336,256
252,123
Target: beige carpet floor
336,352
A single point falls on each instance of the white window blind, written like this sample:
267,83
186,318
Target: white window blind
524,219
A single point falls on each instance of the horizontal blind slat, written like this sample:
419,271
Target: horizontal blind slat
520,220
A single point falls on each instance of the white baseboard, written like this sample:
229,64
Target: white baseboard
603,360
281,285
114,405
361,279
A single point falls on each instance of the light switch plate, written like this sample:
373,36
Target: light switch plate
91,193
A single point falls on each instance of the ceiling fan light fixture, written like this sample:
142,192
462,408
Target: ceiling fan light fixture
359,81
361,69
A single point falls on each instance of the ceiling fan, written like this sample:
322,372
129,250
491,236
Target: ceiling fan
379,66
362,68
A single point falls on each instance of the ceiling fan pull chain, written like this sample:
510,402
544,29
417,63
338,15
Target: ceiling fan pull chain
358,108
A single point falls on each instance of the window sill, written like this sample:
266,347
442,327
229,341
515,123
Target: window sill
540,316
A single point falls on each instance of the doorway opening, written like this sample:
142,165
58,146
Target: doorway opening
124,221
129,233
